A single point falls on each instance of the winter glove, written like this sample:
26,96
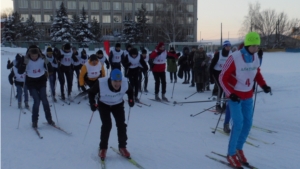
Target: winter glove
75,58
94,106
267,89
83,88
234,97
130,102
11,81
8,62
107,67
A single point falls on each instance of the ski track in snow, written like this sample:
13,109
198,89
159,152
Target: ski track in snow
160,136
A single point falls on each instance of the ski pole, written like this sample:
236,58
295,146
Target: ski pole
191,95
256,85
202,101
193,115
89,124
128,116
11,94
173,91
217,124
21,101
52,95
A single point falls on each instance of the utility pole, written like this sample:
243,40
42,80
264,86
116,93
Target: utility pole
221,35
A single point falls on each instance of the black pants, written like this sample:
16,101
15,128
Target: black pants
220,89
193,78
186,75
61,78
119,115
133,76
77,71
173,74
145,73
160,77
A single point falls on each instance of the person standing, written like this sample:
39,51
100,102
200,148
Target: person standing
111,91
132,63
191,64
237,77
103,59
172,65
144,72
184,65
216,67
159,58
52,77
115,57
76,66
200,61
35,65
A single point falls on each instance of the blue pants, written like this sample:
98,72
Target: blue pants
52,79
241,115
227,114
20,93
39,94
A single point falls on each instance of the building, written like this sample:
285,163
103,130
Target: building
109,13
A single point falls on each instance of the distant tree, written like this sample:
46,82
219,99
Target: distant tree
6,12
83,33
12,30
142,26
130,31
30,31
96,29
61,28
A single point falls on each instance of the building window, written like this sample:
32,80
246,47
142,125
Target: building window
138,6
83,4
35,4
128,6
70,16
57,4
71,4
47,18
24,16
159,6
96,17
128,16
190,20
106,31
149,6
47,4
106,19
190,31
190,8
106,5
180,20
95,5
117,19
23,4
37,17
117,5
150,19
158,19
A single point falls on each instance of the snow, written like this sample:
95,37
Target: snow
160,136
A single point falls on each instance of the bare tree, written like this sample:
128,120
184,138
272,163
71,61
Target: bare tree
250,21
171,20
6,12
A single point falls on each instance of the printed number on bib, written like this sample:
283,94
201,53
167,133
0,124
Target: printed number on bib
248,82
37,71
67,59
94,73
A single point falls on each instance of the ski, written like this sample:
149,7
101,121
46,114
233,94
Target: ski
64,131
264,129
38,133
136,104
164,102
66,102
223,162
246,165
144,104
247,142
132,161
102,162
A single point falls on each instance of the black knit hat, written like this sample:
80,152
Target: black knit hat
144,51
118,45
99,52
67,46
128,46
49,49
93,57
133,51
172,48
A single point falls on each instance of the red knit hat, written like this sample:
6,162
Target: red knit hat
160,44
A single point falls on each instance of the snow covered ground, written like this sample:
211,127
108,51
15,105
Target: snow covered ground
160,136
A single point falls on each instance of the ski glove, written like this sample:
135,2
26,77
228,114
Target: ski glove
94,107
131,102
235,98
267,89
83,88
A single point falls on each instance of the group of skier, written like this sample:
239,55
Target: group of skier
233,72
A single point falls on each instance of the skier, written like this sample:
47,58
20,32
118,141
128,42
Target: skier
159,57
200,61
237,79
191,64
144,72
132,63
126,52
36,65
83,57
14,62
216,67
19,79
184,64
103,59
111,91
207,73
76,66
52,77
90,72
172,65
115,57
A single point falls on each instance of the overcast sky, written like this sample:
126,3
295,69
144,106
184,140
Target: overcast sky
230,12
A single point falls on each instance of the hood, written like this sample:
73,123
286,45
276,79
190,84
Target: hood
185,48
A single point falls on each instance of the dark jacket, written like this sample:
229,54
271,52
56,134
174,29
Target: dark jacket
134,71
171,62
183,61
